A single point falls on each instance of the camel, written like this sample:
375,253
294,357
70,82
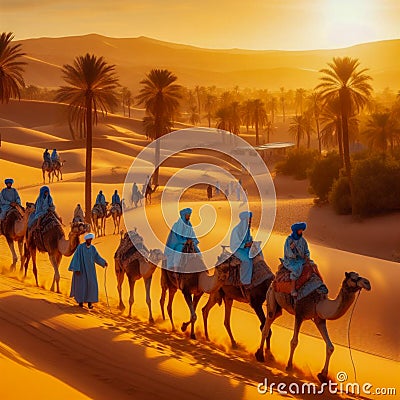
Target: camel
14,228
135,267
49,238
195,284
116,214
149,191
99,218
229,293
317,307
57,169
47,167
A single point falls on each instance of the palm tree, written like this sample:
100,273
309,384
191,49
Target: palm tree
194,115
343,79
298,128
228,118
160,95
11,68
247,113
381,131
300,93
314,107
282,99
92,88
259,117
128,101
211,101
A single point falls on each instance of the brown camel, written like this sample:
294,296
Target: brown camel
116,214
47,236
128,260
149,191
99,217
228,293
14,229
317,307
57,169
195,284
48,167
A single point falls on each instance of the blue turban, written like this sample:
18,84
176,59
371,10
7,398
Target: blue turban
296,227
9,180
184,212
245,215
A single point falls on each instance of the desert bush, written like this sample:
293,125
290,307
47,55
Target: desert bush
339,196
376,182
297,162
323,173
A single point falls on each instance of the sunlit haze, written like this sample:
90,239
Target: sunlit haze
256,24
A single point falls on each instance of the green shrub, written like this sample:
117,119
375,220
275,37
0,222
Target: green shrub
323,173
376,182
339,196
297,162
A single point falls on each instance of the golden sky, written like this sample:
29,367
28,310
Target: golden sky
249,24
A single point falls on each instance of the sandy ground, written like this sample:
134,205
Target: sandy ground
59,350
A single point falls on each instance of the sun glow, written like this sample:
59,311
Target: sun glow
349,22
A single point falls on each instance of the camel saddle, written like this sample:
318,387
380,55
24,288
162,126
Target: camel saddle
8,222
261,272
309,281
44,224
131,247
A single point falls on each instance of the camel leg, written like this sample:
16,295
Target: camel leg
44,176
33,255
321,325
227,321
212,301
120,280
55,260
257,306
294,342
21,252
10,243
196,299
27,257
273,314
131,291
171,295
162,301
147,284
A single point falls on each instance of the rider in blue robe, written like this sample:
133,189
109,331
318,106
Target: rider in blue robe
8,198
44,203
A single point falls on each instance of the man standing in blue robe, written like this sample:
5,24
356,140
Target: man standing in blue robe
182,233
84,286
241,243
9,198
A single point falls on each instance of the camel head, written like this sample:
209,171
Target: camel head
354,282
155,256
79,228
30,207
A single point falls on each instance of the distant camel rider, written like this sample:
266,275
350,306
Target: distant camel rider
115,198
9,198
296,254
55,157
182,233
241,243
47,157
79,215
44,203
101,200
136,196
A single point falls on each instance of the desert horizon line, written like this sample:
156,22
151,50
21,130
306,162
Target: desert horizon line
190,45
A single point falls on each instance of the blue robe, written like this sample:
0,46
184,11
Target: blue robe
42,206
294,258
181,231
54,156
8,196
47,157
100,199
116,199
239,237
84,287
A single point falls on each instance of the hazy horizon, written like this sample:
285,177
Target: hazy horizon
227,24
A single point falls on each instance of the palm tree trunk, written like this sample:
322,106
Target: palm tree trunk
340,141
345,104
209,119
298,136
318,134
88,172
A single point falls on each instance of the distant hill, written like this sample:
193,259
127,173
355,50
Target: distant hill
268,69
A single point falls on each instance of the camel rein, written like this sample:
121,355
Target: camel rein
348,336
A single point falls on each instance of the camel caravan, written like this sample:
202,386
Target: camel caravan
240,274
52,165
